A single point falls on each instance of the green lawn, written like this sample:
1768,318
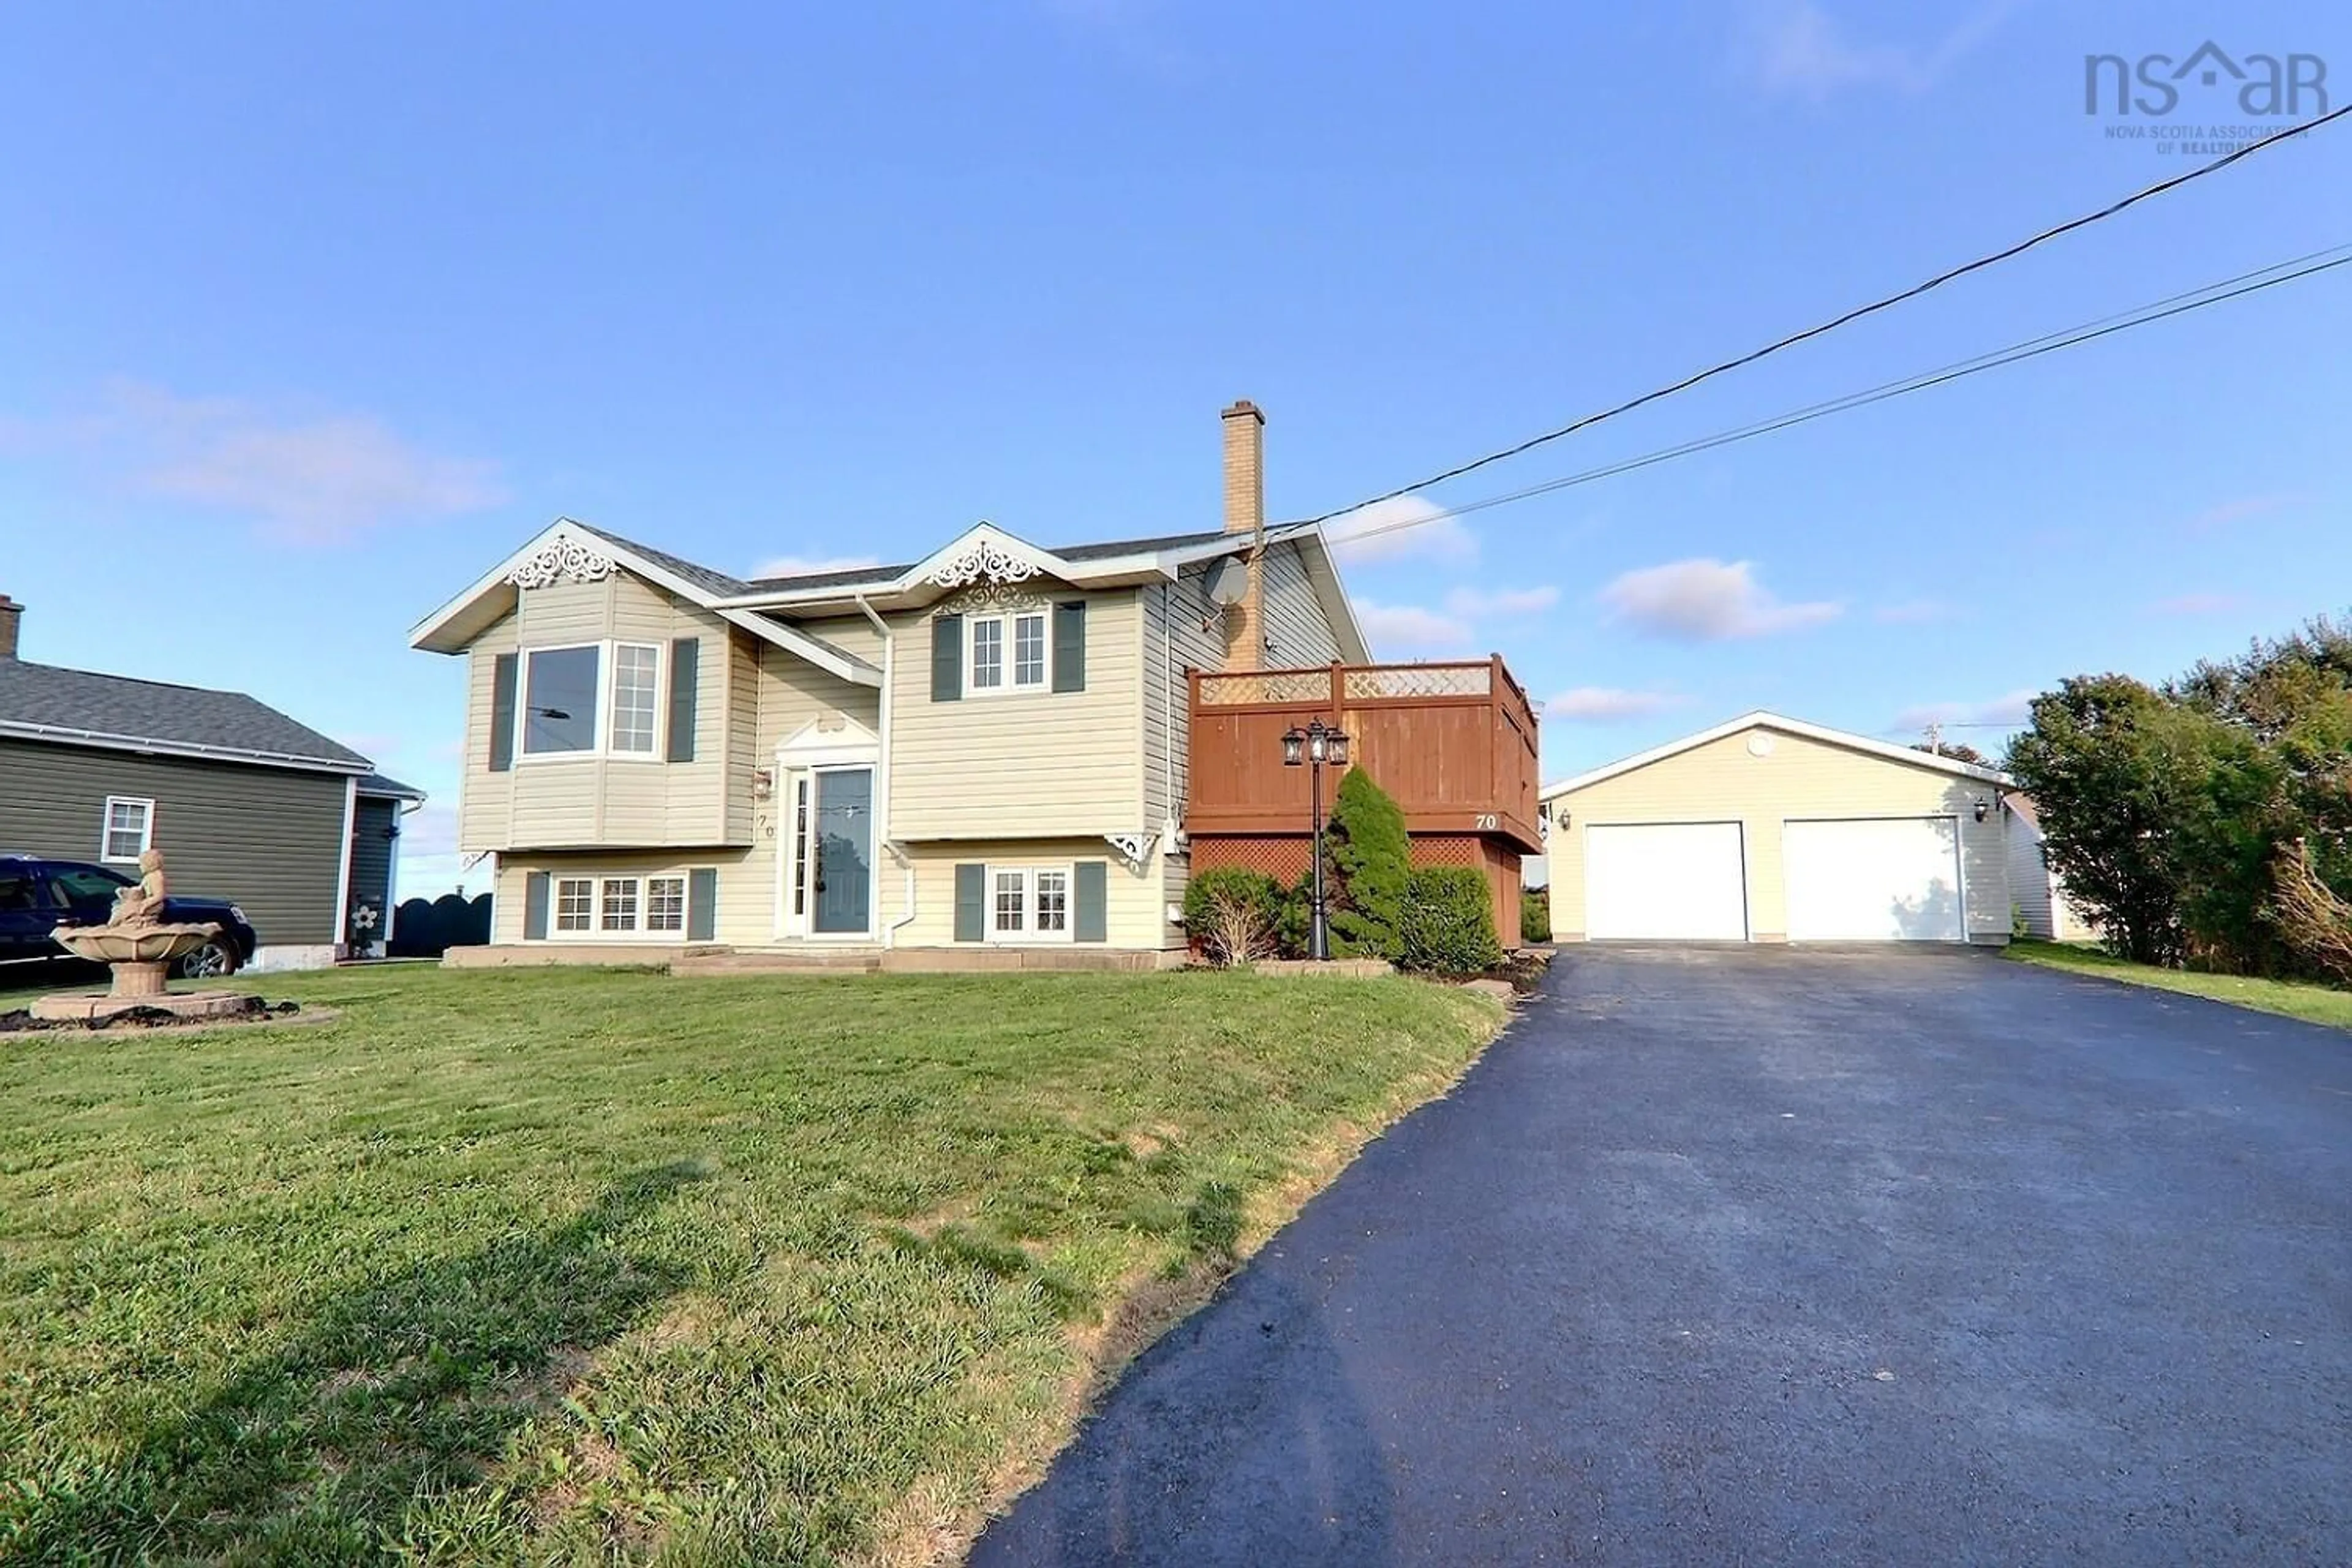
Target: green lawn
2314,1003
570,1266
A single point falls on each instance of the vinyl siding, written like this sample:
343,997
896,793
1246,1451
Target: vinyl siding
566,801
1042,762
270,839
1182,633
1298,631
2029,879
1803,779
1131,905
744,898
372,838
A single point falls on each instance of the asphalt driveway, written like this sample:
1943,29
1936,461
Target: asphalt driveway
1735,1256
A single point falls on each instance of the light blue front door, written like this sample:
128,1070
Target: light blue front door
841,870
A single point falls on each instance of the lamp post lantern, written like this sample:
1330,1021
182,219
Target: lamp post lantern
1311,747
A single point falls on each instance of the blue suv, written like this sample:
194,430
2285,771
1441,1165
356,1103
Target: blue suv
37,896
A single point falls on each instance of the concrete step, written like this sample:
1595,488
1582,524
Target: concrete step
780,961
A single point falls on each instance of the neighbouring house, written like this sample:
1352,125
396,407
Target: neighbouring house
990,756
246,803
2043,907
1772,829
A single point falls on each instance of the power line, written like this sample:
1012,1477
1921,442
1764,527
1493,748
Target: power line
2070,337
1937,282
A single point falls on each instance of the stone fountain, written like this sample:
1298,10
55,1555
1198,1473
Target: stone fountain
138,947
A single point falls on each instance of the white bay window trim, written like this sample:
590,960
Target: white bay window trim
1029,904
638,734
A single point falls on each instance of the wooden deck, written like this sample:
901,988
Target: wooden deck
1454,743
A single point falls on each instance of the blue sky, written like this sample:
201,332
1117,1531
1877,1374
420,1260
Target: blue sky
312,314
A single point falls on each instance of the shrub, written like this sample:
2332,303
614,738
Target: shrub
1233,913
1369,856
1535,915
1449,925
1295,927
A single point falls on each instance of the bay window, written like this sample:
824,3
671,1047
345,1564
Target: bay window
565,690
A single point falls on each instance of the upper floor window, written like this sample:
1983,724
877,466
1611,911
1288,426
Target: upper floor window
636,696
559,702
129,828
565,691
1026,666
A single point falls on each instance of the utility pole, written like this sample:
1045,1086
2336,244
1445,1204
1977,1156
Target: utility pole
1935,738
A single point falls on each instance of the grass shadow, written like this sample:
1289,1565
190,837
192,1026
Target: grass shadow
411,1385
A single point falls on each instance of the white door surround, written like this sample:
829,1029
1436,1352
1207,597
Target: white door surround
817,767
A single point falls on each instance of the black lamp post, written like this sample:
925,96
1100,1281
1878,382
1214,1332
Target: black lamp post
1312,747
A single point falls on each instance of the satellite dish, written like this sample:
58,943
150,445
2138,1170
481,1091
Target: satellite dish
1228,582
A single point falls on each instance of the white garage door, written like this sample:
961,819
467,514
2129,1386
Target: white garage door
1890,879
1671,880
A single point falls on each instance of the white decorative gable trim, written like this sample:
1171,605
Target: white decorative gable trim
1135,849
985,562
563,556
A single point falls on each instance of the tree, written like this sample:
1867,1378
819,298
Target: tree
1958,751
1369,856
2095,765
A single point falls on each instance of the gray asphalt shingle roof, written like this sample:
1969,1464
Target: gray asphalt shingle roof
703,577
1100,551
84,704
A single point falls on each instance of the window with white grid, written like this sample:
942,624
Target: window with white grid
1029,651
664,903
1029,903
636,697
575,903
620,904
128,829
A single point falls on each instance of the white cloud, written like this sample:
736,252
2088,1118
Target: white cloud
1411,625
1607,705
304,479
802,565
2012,710
1706,600
1802,49
1407,528
1471,603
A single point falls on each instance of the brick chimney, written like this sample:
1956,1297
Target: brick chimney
1246,513
11,613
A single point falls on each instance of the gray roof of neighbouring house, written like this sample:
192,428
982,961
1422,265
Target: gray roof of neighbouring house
80,707
384,787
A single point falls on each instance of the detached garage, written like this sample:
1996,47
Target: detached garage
1772,829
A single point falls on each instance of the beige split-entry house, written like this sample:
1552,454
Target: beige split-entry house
980,756
1772,829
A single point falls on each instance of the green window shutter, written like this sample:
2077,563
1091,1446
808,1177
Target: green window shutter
502,712
946,659
1070,646
534,907
685,670
1092,921
701,904
971,904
